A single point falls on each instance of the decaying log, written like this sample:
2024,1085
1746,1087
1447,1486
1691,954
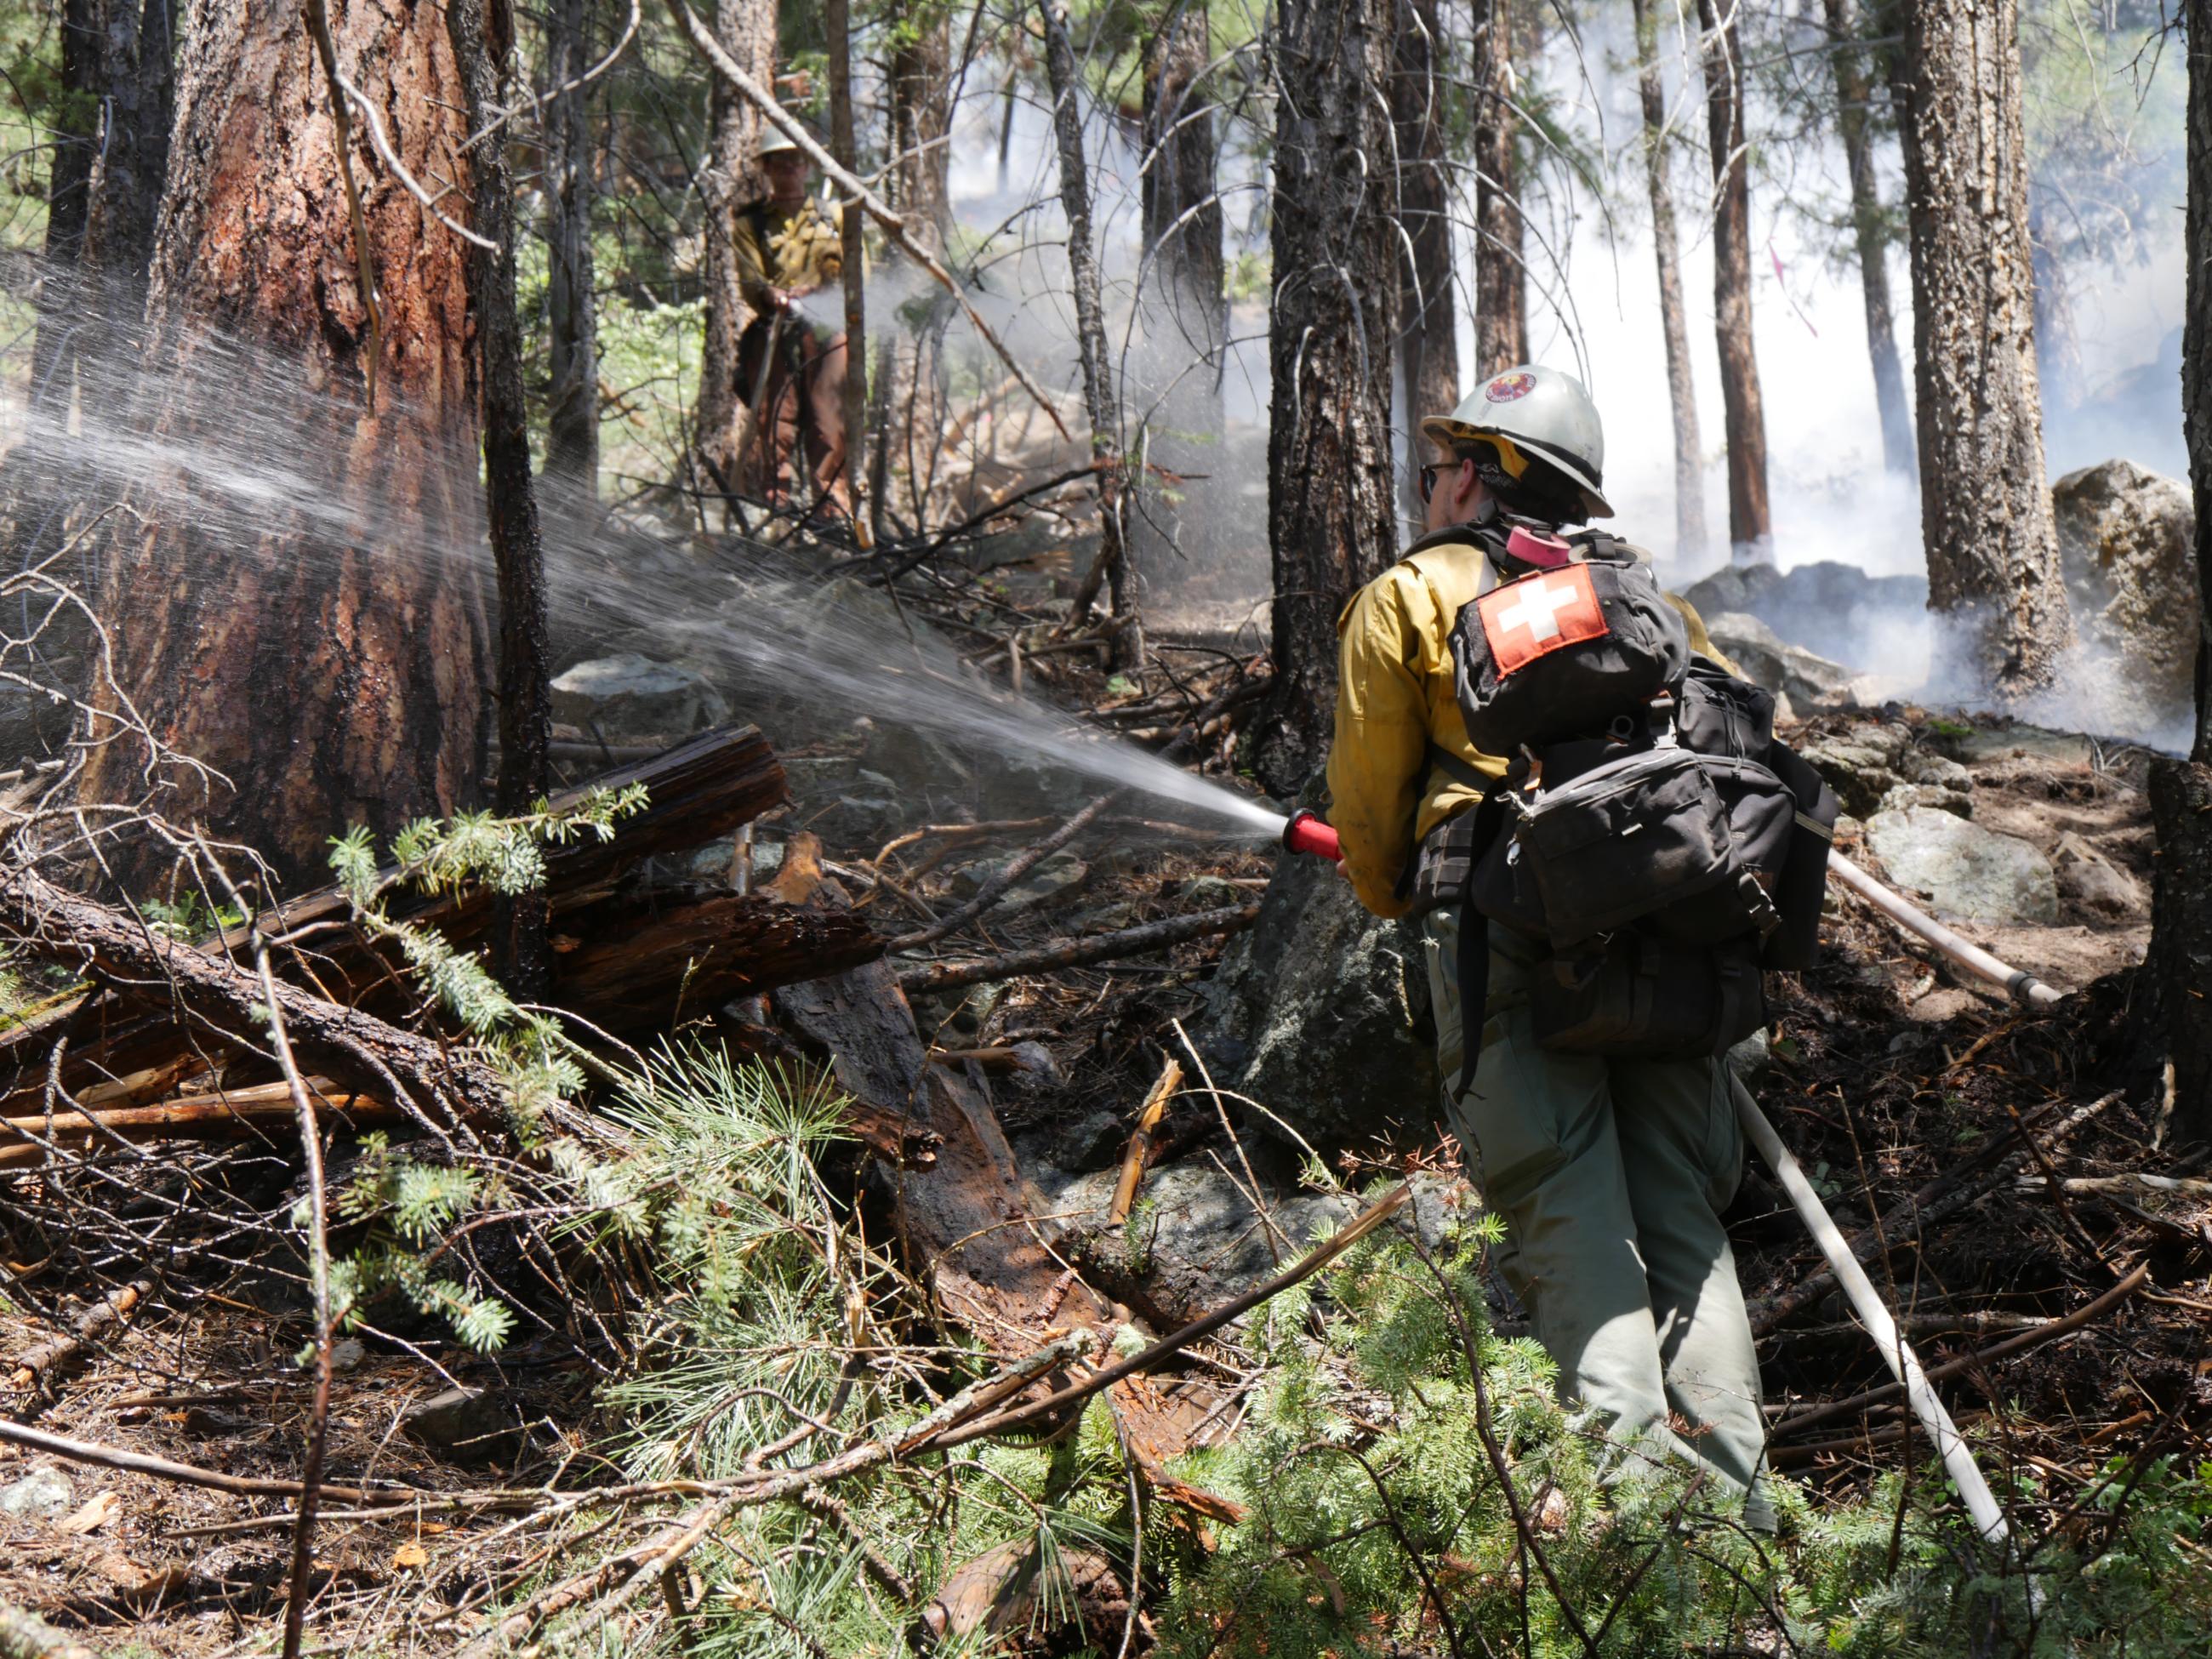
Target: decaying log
45,1364
189,1117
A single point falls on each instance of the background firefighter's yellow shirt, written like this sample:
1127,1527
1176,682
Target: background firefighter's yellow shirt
794,251
1395,698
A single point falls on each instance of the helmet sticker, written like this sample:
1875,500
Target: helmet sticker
1506,387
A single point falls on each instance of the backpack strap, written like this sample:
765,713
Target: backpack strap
1475,933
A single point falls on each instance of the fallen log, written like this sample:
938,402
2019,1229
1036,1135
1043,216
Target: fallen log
1081,952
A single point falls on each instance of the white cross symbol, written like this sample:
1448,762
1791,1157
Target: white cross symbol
1538,610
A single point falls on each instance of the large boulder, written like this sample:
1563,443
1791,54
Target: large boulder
630,695
1965,871
1320,1013
1765,658
2124,549
1868,760
1827,606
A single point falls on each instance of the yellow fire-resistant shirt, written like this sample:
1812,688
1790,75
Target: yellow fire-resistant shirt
794,251
1395,696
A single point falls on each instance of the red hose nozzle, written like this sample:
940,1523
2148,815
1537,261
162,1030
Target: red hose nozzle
1307,833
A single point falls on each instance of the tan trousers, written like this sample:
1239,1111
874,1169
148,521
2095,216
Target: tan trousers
1611,1175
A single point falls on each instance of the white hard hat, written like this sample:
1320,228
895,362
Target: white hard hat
774,141
1532,410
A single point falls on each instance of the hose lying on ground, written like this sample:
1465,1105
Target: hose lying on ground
2017,982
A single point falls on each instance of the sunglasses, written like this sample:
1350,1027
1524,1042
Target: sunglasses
1429,474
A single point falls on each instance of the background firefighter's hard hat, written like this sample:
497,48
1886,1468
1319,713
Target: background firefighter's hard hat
774,141
1532,410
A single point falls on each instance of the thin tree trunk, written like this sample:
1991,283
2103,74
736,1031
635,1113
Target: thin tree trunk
1501,269
1187,309
85,73
1430,349
1690,533
838,26
324,651
1330,519
2174,999
526,703
1985,513
1751,524
572,423
913,382
1100,399
1854,103
732,177
126,193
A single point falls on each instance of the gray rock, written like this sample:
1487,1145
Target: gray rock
1862,764
1061,873
1322,1011
1924,766
1090,1143
470,1425
2125,551
1906,795
633,696
1808,682
2093,881
45,1491
1999,740
1834,609
1966,871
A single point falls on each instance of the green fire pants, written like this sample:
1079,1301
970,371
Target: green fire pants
1610,1174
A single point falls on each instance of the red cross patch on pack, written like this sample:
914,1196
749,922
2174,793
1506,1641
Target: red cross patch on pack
1537,615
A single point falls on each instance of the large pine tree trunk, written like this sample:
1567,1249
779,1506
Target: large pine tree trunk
1673,315
1431,351
322,650
1101,398
1854,102
732,177
1751,524
2174,997
1501,272
1186,308
1985,512
572,418
1330,520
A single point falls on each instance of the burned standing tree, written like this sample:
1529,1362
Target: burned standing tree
1101,400
837,21
324,652
1854,117
1673,316
134,150
1430,349
1750,524
911,379
1985,514
1187,311
1501,273
2175,1017
572,415
732,177
1331,519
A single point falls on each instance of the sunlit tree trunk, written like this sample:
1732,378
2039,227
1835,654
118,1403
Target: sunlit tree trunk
1330,520
732,177
837,15
1673,315
1854,99
1501,271
1430,349
324,651
1984,508
1751,524
913,383
572,422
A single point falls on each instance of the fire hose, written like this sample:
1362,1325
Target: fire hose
1307,833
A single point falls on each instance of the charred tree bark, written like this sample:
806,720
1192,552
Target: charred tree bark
1100,399
1854,109
912,379
838,24
1330,519
324,652
732,177
572,420
1501,270
1430,352
1750,524
1673,315
1187,314
126,193
2175,993
1985,515
525,698
76,138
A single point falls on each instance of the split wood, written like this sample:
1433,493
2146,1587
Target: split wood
1140,1143
1081,952
1828,1410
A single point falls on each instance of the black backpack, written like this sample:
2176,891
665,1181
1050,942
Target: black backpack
1650,832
